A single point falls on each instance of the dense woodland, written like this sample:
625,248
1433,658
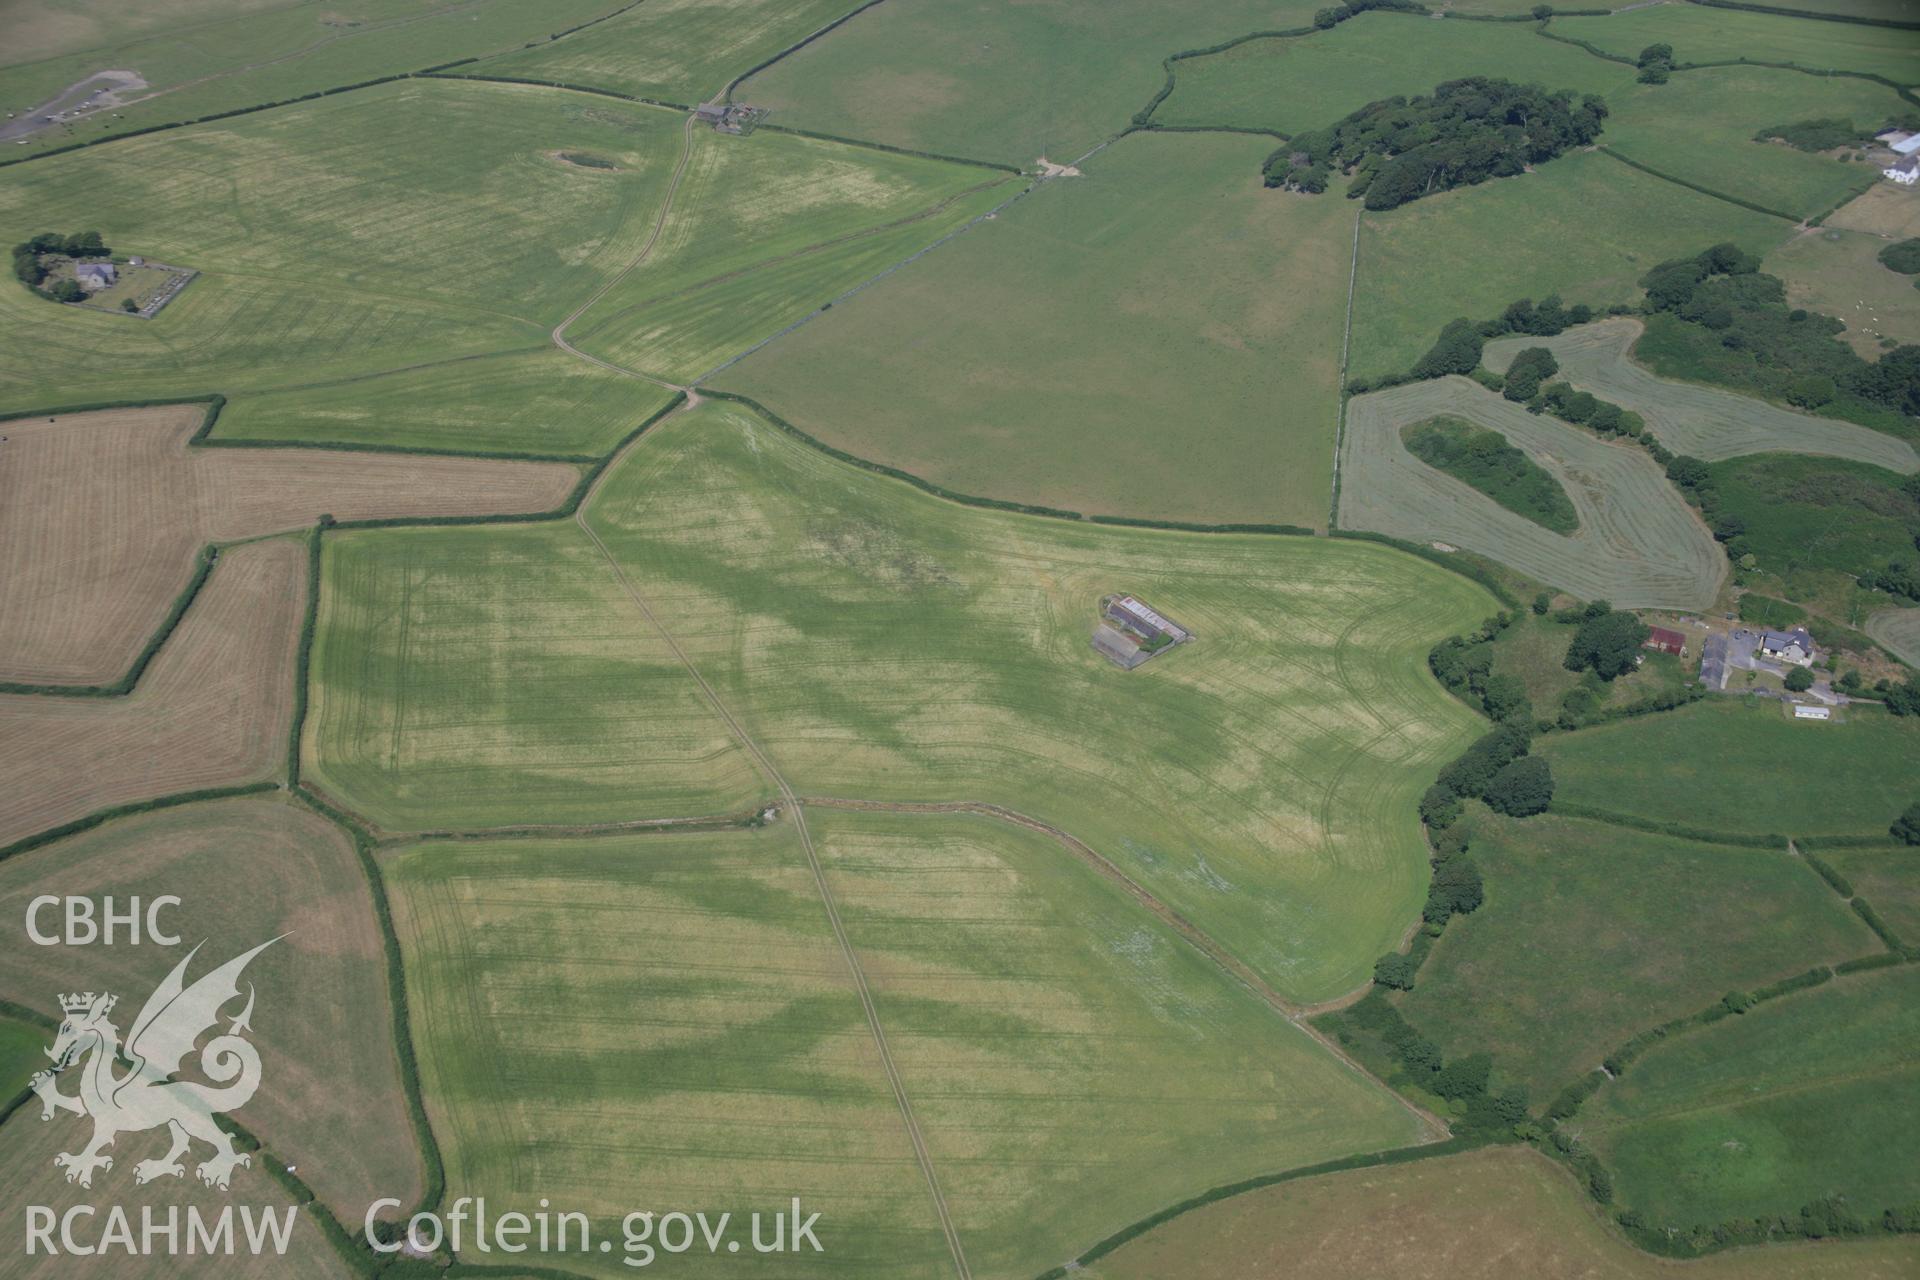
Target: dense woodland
1466,131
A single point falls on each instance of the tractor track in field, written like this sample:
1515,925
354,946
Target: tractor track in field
922,1155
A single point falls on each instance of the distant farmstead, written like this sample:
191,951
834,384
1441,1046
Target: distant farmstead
1664,640
1133,631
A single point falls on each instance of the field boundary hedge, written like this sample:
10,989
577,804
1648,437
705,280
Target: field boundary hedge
1655,826
1779,11
1370,1160
202,570
1466,569
568,86
815,134
99,817
726,95
1611,154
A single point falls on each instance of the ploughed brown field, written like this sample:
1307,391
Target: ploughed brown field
102,514
212,710
245,870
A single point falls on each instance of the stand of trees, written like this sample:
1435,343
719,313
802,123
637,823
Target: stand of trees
30,271
1607,641
1465,132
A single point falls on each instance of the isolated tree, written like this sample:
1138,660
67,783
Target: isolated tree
1543,602
1799,680
1607,644
128,304
1906,827
1523,788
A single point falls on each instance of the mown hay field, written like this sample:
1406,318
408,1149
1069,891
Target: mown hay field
541,400
1899,631
1700,127
1584,226
244,59
94,573
796,220
213,709
1839,273
1800,1098
1884,209
1704,422
1713,35
245,870
674,1007
28,1176
680,51
883,644
1591,933
1887,877
1483,1215
1638,544
1157,338
1739,765
1307,82
989,81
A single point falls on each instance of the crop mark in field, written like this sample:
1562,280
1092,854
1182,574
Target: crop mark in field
921,1153
1191,933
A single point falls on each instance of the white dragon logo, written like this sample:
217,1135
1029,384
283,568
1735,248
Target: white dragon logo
146,1097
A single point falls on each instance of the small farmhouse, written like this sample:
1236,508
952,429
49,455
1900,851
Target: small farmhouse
93,275
1905,171
1665,640
1794,646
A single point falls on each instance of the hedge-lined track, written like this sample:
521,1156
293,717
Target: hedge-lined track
211,711
1699,34
91,575
247,870
1705,422
1638,543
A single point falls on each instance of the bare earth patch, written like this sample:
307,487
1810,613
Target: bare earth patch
245,870
212,709
102,514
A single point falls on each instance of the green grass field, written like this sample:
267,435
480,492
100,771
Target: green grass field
1585,226
1700,125
883,644
1899,630
541,401
1637,543
669,1019
1818,513
1801,1098
1308,82
245,870
680,51
1742,767
1714,35
1888,878
998,82
765,228
22,1052
1839,273
273,55
1159,337
1713,423
1591,933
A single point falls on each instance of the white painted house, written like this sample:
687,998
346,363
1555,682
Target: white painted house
1905,171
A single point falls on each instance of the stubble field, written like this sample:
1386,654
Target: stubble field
95,572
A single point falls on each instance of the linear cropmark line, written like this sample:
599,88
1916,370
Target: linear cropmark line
792,801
